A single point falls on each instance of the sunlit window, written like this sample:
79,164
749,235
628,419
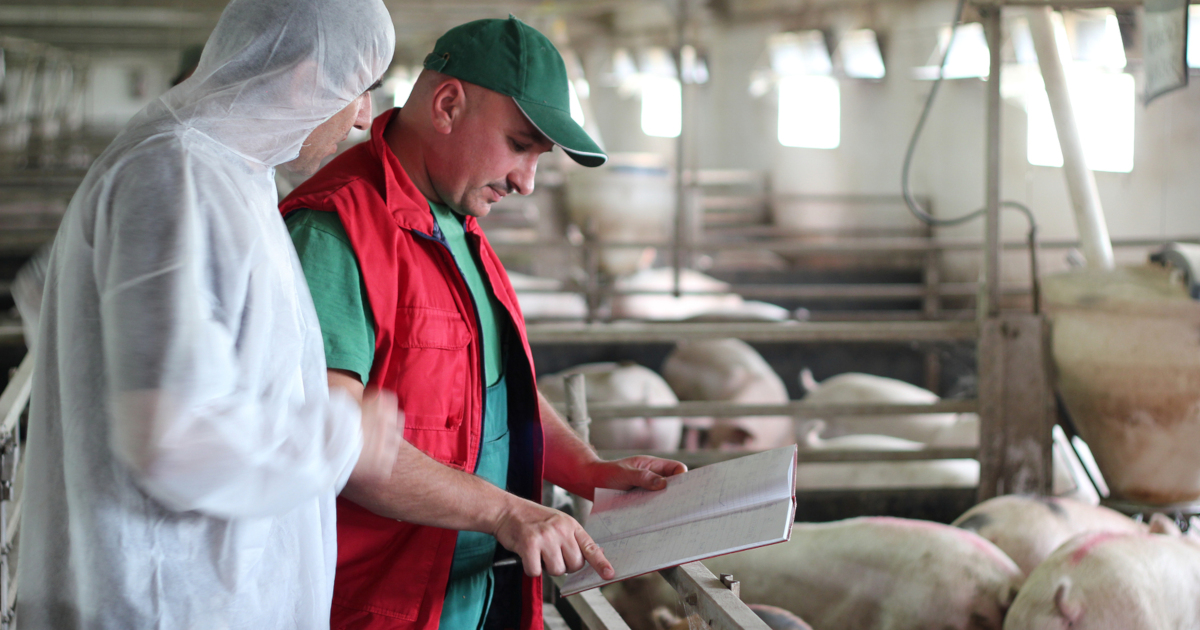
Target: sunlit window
1193,36
662,106
809,112
809,97
662,95
1103,98
576,106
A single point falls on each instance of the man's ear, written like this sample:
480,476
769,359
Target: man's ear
448,104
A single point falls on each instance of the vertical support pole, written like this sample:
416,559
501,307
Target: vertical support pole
1016,406
577,417
684,177
932,308
991,26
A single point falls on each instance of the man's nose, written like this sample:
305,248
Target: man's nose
363,120
521,179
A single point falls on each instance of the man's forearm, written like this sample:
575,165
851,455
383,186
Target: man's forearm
424,491
568,459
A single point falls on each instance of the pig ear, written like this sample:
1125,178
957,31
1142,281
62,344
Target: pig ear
1068,606
810,435
807,381
1162,524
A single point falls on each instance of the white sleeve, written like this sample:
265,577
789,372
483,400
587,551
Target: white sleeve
211,406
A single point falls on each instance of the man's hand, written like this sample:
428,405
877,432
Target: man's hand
546,537
639,471
383,430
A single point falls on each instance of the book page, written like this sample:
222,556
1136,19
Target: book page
730,486
713,510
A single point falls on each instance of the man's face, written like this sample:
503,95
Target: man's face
323,140
492,152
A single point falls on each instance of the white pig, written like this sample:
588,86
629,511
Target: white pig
935,473
730,370
626,383
854,387
880,573
1029,528
1113,581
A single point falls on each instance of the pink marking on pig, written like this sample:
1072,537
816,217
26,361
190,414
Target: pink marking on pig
975,540
1091,542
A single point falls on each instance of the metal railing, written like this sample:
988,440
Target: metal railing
13,402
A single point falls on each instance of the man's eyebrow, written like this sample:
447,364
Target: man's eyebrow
378,84
533,136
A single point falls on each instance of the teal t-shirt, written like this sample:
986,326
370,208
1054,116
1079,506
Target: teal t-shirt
348,329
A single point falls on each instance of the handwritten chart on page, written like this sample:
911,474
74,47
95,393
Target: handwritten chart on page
717,509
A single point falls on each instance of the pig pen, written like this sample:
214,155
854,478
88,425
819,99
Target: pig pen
892,347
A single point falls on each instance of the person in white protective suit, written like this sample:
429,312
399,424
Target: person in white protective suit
184,449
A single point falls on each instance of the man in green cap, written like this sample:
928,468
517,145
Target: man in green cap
412,299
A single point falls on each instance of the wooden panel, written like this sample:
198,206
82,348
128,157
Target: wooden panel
1016,406
718,606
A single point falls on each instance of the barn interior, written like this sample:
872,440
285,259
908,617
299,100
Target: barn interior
945,248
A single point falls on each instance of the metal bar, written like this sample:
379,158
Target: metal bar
695,459
577,418
797,409
15,395
12,521
595,611
810,332
716,604
850,246
991,25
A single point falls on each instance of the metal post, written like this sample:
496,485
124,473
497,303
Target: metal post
577,417
990,16
684,177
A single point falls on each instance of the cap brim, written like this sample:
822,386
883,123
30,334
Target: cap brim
563,131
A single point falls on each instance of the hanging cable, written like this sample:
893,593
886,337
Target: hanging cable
921,213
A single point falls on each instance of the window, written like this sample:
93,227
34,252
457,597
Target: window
1103,97
858,55
809,112
809,97
662,95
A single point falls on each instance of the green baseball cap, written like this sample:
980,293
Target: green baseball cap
514,59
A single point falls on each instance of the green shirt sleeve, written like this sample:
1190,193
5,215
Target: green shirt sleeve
336,284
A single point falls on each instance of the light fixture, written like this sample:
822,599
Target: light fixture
799,53
969,56
858,55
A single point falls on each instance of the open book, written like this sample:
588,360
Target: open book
711,511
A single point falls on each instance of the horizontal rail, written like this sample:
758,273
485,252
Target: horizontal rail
795,409
15,395
696,459
810,332
832,245
718,606
593,609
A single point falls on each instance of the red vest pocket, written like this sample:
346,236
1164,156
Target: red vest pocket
433,352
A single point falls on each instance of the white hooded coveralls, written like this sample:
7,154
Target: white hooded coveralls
184,451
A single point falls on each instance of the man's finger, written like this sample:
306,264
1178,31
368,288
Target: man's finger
553,561
594,555
532,562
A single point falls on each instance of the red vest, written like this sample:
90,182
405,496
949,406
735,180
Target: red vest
393,574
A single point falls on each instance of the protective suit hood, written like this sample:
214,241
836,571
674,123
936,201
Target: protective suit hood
274,70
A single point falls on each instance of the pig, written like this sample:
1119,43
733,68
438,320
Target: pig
730,370
627,383
647,295
776,619
880,573
870,573
1030,528
854,387
543,298
1113,581
936,473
